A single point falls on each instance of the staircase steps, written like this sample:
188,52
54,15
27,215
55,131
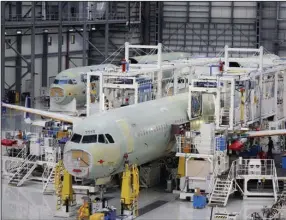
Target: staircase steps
221,192
49,183
23,172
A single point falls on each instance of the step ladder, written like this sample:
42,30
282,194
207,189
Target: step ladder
48,187
24,171
221,192
224,117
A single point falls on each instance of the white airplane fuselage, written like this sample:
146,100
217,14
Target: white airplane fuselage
142,131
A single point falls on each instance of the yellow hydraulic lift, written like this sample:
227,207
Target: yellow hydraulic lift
130,191
65,196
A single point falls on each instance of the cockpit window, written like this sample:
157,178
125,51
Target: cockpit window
63,82
109,138
101,139
76,138
89,139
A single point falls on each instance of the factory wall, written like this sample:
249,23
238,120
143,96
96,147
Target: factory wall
204,28
118,35
75,48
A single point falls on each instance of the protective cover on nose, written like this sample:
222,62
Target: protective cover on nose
57,94
77,163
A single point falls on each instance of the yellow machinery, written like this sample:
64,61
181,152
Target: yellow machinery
84,212
97,216
130,190
63,187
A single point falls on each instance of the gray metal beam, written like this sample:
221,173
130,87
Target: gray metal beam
146,31
84,39
60,37
209,26
232,23
53,23
18,72
106,35
32,61
67,50
91,44
276,38
38,56
160,22
45,61
3,46
187,21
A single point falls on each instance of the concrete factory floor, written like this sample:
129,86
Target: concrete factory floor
28,202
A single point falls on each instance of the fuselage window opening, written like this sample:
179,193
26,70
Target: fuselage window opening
76,138
87,139
109,138
101,139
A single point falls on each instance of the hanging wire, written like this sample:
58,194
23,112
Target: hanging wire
116,52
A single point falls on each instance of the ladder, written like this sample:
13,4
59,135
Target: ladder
24,171
58,183
221,192
49,172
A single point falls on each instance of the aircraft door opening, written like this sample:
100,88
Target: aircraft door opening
126,132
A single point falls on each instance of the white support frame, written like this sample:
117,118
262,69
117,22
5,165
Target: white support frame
101,94
217,92
227,50
159,64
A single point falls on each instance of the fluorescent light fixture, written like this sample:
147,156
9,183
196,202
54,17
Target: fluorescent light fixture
71,30
93,29
81,29
5,33
46,30
19,32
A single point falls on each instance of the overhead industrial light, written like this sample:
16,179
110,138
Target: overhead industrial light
81,29
19,32
5,33
93,28
46,30
70,30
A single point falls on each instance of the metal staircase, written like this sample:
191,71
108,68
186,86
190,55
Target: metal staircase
49,180
222,190
24,171
13,165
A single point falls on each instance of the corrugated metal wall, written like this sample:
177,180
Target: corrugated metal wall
204,28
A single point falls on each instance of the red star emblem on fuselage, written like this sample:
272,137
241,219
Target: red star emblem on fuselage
101,161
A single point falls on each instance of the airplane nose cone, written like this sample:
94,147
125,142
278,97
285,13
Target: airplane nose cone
57,94
77,163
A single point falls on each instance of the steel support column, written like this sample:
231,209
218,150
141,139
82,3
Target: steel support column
60,37
276,39
68,50
160,22
84,39
146,31
186,23
45,61
3,46
258,24
18,72
32,61
232,24
106,35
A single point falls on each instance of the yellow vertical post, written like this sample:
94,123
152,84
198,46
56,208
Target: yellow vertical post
181,166
242,103
67,191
